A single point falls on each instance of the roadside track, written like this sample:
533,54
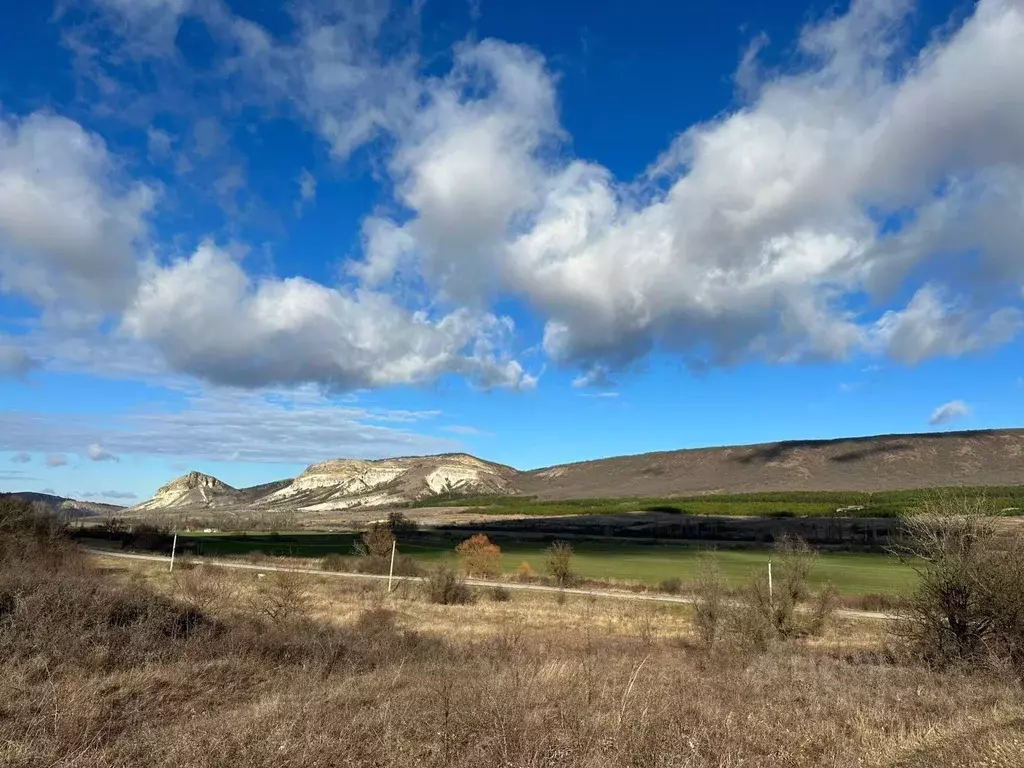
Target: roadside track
602,593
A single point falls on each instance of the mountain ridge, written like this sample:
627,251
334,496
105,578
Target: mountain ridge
864,463
65,505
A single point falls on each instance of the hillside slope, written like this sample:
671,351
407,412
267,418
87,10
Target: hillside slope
885,462
65,506
348,483
189,491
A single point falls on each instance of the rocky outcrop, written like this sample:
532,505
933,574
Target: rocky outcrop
348,483
192,490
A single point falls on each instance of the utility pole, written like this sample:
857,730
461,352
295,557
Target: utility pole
174,546
771,596
391,571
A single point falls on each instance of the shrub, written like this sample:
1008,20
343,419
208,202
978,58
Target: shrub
478,556
789,610
381,566
793,562
822,607
280,597
672,586
444,586
20,518
374,553
500,594
524,572
709,605
204,589
559,563
748,627
399,523
376,542
968,606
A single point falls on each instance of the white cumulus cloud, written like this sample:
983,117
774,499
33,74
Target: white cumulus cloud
865,200
210,319
68,230
757,234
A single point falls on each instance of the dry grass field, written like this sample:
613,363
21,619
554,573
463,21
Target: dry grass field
109,662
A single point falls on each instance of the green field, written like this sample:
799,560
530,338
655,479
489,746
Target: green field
1000,499
851,572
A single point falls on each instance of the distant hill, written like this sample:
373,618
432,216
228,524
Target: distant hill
254,492
884,462
341,484
64,505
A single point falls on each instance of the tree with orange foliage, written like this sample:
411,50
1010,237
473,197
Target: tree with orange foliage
479,556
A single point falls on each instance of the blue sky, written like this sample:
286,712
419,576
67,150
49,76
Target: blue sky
240,236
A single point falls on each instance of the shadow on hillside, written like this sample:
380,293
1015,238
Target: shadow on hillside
884,444
852,456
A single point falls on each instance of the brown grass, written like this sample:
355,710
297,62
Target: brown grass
117,663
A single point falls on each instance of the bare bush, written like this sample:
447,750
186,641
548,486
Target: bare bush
671,586
204,589
499,594
374,554
559,563
445,586
968,606
376,542
479,556
758,616
279,596
22,524
709,605
786,607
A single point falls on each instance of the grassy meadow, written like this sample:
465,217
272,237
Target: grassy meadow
851,573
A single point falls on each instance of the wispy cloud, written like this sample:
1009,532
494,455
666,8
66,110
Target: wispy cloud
307,191
227,425
947,412
96,452
16,475
56,459
595,376
21,457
